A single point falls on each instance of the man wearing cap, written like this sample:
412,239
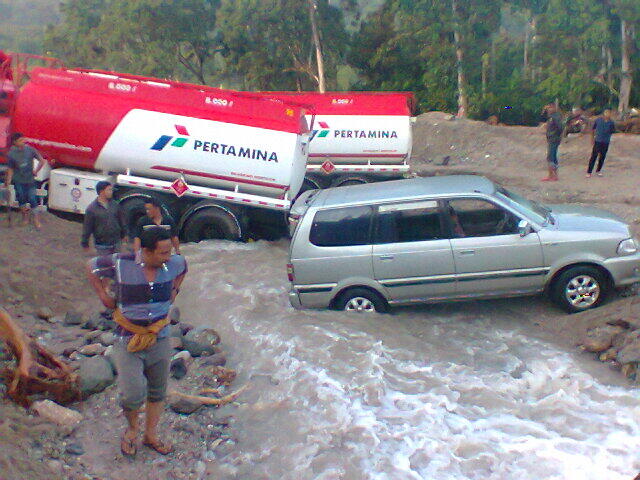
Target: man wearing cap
104,221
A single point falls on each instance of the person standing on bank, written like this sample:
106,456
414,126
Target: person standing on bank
146,286
22,174
554,130
104,221
155,217
601,133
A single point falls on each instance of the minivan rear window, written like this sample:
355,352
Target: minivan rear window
341,227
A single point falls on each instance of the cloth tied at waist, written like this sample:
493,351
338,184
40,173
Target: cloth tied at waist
143,336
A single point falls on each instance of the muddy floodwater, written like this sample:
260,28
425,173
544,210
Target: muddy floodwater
457,391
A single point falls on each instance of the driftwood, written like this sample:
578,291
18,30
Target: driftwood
36,370
212,401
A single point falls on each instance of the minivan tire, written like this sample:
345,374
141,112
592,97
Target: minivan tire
580,288
361,300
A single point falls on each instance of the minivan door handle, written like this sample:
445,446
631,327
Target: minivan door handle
467,252
386,257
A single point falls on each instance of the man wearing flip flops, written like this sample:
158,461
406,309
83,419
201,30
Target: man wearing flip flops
146,286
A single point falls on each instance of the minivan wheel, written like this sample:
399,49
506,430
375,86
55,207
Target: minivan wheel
580,288
361,300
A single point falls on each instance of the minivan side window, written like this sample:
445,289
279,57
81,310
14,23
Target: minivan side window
472,217
409,222
341,227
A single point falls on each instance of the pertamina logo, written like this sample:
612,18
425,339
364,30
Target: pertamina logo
164,140
215,147
323,133
349,133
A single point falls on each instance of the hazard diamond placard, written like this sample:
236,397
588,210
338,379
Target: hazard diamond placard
328,167
179,187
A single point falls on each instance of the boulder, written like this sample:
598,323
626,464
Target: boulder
175,331
174,315
95,375
74,448
93,349
44,313
98,321
186,327
107,338
629,353
216,360
599,339
61,416
92,336
178,368
183,405
201,342
72,318
108,354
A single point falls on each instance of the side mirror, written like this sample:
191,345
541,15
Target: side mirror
524,228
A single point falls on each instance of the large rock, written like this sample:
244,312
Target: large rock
629,353
216,360
178,368
174,315
98,321
95,375
61,416
599,339
73,318
93,349
201,342
45,313
182,405
107,338
108,354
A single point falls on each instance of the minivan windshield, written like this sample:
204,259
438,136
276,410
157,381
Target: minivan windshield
533,210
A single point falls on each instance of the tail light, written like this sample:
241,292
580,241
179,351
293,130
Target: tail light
290,273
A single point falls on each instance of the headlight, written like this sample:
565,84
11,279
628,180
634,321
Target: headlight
628,247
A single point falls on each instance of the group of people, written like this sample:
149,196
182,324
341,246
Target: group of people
601,132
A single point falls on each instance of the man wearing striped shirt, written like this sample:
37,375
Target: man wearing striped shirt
145,286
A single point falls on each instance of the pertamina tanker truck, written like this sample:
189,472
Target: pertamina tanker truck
357,137
222,163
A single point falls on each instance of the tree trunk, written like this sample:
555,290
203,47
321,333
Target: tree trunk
463,101
626,77
485,68
525,59
316,41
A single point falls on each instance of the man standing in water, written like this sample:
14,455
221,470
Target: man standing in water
601,133
22,174
156,217
554,136
146,286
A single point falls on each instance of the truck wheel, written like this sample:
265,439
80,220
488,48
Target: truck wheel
212,223
312,182
580,288
361,300
345,181
132,209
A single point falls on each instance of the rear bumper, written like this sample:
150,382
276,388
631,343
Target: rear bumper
624,270
294,299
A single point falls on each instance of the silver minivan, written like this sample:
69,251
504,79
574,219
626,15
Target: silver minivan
366,247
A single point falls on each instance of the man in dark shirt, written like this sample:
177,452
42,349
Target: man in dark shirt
145,286
155,217
554,129
104,221
601,133
22,174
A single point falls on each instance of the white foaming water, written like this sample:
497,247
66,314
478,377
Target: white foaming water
410,395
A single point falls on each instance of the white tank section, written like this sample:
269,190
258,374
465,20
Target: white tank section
210,153
360,139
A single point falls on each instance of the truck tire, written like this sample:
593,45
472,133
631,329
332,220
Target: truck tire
580,288
348,180
132,209
312,182
212,223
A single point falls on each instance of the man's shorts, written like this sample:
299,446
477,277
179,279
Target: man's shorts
26,194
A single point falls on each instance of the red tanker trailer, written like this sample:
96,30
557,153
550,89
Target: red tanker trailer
357,137
220,161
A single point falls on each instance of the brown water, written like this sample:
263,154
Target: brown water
457,391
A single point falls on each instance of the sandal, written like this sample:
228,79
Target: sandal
159,446
128,446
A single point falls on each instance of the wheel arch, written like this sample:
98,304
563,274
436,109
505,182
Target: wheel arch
601,268
340,290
